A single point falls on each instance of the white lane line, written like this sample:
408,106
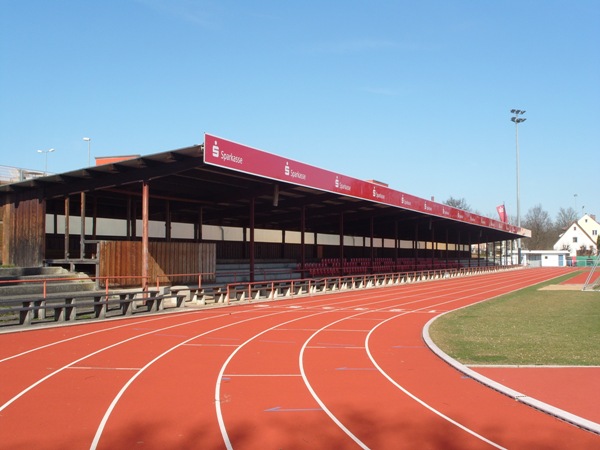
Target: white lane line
83,358
101,368
414,397
221,376
137,323
335,419
314,394
211,345
110,409
413,297
275,375
91,333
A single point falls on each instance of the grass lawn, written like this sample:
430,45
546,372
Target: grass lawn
530,326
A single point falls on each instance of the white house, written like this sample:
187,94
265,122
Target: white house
581,235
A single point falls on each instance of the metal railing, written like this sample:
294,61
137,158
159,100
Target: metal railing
282,289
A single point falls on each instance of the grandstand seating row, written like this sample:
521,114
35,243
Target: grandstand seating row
352,266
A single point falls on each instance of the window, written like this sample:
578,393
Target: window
574,239
594,232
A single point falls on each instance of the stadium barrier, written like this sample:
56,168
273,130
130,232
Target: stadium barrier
287,289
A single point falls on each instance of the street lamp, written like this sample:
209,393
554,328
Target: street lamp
89,141
46,163
517,120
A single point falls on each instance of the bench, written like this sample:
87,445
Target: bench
65,305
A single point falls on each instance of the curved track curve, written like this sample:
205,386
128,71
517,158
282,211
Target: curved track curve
348,370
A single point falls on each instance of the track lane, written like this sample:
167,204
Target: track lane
101,374
169,403
349,301
444,390
336,338
375,404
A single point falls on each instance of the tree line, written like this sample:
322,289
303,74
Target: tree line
544,231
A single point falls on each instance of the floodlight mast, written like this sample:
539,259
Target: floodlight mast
89,141
45,152
517,120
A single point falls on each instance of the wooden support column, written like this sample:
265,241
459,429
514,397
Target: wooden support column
302,239
128,218
82,236
372,233
433,246
94,216
67,220
145,233
470,252
342,262
251,248
198,226
447,248
416,243
396,245
168,221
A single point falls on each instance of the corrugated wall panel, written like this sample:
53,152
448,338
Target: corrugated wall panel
124,259
24,233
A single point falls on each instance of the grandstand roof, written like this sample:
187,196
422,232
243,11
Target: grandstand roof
184,183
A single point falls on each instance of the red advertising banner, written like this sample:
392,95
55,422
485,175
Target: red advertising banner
224,153
502,213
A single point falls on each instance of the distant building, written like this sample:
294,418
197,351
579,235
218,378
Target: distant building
101,160
10,174
581,237
543,258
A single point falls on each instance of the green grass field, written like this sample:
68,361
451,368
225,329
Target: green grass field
530,326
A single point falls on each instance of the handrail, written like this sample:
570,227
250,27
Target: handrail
107,280
338,282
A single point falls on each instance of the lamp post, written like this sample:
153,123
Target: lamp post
89,141
517,120
46,159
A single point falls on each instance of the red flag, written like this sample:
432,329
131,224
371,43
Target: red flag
502,213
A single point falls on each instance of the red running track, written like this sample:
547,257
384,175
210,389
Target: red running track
342,371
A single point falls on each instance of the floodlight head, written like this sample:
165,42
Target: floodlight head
51,150
514,119
513,111
87,139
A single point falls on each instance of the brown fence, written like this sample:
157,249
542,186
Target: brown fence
123,261
23,232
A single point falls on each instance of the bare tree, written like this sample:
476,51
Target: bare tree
564,218
459,203
543,236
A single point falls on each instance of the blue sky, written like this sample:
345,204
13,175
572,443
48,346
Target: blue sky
415,94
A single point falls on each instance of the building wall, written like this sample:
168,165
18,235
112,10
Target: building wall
591,227
543,258
584,232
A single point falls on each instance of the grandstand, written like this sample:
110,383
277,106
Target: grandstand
211,207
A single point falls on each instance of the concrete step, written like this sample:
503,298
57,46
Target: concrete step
30,281
37,288
17,272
